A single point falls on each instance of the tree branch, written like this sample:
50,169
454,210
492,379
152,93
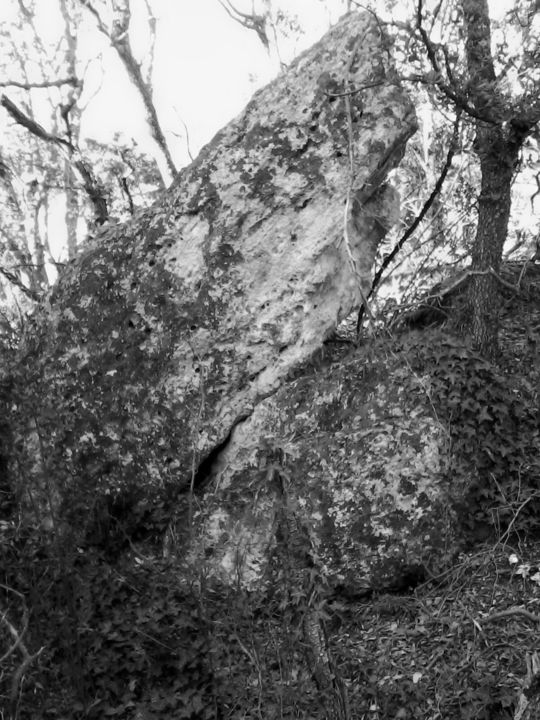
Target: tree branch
89,182
429,202
18,644
254,22
449,89
118,36
509,612
30,124
101,25
44,84
14,280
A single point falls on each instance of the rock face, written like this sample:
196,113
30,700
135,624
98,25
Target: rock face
170,328
160,365
352,457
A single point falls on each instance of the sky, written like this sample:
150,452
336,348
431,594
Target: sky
206,69
206,66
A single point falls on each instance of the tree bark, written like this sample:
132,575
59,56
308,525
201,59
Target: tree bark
71,115
498,158
498,140
502,123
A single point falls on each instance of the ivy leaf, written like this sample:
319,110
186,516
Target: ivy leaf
484,415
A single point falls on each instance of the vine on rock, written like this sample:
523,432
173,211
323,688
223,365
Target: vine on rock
493,425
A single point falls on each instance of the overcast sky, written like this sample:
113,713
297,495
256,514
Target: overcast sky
206,65
206,68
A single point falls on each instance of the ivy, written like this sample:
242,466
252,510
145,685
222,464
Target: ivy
493,427
114,638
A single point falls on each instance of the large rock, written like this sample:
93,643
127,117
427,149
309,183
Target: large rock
170,329
353,457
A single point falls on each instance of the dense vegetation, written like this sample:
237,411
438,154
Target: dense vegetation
115,629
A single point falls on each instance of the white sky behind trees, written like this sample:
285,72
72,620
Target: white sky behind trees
206,69
206,66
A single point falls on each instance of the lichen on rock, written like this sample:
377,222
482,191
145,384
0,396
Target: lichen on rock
174,333
169,329
361,461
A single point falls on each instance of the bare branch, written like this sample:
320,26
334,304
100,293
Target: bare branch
119,39
186,130
17,636
254,22
14,280
27,658
101,25
124,187
410,230
44,84
449,89
91,185
25,11
134,71
151,51
30,124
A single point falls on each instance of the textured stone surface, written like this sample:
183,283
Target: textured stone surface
354,460
171,328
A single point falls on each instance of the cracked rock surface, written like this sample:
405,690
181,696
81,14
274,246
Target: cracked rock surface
353,456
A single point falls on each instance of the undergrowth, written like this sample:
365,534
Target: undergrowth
87,633
131,641
493,422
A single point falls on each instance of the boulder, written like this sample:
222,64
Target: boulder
170,329
353,458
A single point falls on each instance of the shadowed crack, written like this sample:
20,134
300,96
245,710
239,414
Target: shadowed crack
206,467
204,471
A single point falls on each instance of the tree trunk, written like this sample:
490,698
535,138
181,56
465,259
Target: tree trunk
71,115
499,137
498,158
72,210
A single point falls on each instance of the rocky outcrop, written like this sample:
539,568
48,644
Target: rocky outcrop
169,329
174,359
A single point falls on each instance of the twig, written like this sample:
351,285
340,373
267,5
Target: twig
41,85
118,36
186,130
529,687
491,271
14,280
427,205
508,530
509,612
27,658
90,184
154,640
457,96
254,22
15,635
30,124
95,13
354,91
124,186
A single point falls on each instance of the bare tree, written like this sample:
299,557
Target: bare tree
46,168
117,32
